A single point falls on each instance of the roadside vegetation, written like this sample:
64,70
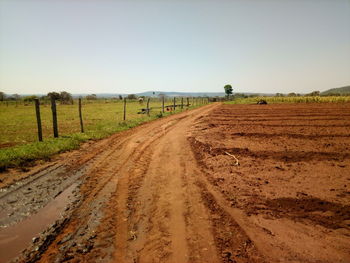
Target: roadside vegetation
337,95
102,117
289,99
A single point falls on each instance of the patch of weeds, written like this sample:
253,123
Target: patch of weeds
159,115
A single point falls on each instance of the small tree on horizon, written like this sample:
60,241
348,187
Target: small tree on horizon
131,97
228,90
66,98
55,95
2,96
30,98
91,97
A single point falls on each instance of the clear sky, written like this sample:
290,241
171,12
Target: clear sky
96,46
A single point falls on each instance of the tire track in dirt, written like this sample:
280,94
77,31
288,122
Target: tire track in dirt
100,183
94,187
132,211
156,212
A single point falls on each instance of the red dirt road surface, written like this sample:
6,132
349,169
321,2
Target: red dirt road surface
221,183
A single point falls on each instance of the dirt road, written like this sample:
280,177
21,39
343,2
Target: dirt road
153,194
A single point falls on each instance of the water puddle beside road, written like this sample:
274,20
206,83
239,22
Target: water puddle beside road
15,238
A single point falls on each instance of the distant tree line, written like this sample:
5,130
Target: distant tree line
345,92
64,97
293,94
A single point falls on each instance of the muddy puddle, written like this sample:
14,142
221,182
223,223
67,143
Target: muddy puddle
15,238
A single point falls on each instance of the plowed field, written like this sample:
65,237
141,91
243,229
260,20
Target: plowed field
221,183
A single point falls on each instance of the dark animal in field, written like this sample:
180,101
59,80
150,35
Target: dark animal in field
262,102
143,111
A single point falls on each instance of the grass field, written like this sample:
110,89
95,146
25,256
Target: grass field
18,127
299,99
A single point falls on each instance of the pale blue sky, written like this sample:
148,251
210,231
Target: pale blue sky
95,46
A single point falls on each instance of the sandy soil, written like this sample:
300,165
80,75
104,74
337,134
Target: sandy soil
171,191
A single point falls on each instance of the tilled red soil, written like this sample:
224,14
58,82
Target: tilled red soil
221,183
292,181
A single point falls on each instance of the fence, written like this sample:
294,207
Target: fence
20,123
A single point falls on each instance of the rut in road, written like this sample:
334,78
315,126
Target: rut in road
148,202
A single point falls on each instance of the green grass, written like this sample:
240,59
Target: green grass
101,118
299,99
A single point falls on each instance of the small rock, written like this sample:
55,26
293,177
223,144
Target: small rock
93,236
132,235
12,200
35,239
62,248
65,239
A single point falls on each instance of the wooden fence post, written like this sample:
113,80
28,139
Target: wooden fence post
124,117
182,102
54,117
81,117
38,119
188,102
174,103
163,104
148,106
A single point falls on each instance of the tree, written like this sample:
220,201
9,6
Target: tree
314,93
66,98
54,95
132,97
2,96
30,98
91,97
16,96
228,90
120,97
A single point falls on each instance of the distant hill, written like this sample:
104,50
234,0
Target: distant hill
341,91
